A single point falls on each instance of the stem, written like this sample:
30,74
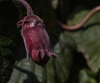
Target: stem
28,7
81,23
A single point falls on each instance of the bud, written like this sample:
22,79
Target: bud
36,39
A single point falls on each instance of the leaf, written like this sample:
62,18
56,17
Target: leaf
8,48
86,76
7,60
88,38
6,42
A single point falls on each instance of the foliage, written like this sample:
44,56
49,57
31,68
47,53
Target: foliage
8,47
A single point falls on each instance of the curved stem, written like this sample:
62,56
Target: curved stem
81,23
28,7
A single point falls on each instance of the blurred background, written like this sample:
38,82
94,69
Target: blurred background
78,50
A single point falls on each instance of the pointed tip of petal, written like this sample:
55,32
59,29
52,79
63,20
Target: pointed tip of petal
27,60
55,55
42,53
52,54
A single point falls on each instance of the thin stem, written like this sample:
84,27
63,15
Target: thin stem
81,23
28,7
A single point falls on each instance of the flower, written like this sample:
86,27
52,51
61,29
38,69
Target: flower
36,39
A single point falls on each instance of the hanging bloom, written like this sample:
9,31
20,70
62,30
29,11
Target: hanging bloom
36,39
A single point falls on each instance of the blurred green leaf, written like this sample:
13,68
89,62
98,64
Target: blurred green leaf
86,76
64,60
88,38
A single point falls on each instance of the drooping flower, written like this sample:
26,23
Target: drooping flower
36,39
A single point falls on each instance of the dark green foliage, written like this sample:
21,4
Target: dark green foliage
8,48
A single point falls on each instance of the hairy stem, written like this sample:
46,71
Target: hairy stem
28,7
82,22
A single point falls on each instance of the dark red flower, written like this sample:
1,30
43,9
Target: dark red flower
36,39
